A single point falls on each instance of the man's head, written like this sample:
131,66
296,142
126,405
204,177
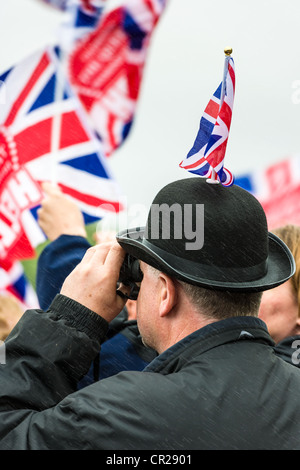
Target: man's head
169,309
210,236
205,249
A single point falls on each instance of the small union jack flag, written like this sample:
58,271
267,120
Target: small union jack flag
14,282
206,157
106,67
44,136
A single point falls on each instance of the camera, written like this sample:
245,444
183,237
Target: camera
130,274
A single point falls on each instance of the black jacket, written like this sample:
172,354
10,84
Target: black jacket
222,387
124,349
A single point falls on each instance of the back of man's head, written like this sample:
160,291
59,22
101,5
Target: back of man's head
214,239
217,305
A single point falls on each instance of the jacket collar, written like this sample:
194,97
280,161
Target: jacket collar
208,337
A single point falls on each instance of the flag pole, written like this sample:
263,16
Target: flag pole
60,84
57,122
213,179
227,52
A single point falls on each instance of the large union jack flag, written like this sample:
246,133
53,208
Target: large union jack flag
62,5
277,187
106,67
44,136
206,157
81,18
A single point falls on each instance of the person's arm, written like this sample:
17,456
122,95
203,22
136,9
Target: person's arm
47,352
63,224
59,215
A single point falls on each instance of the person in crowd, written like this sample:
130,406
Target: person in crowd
11,311
280,307
216,382
62,222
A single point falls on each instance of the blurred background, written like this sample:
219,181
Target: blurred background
184,67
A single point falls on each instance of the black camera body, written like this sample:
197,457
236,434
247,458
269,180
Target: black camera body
130,274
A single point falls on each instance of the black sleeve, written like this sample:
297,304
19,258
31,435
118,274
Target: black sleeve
47,353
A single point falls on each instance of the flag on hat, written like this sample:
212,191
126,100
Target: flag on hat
45,136
106,67
206,157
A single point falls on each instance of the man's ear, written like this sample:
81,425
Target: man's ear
298,324
168,294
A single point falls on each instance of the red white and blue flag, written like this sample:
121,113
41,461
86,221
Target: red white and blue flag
14,282
105,52
63,4
277,187
206,157
44,136
106,67
81,18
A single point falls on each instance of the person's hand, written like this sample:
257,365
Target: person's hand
59,215
93,282
104,236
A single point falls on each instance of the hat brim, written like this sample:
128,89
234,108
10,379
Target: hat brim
280,265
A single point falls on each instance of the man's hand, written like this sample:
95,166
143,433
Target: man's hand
93,282
59,215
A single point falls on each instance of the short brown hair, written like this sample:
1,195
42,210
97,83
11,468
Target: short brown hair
223,304
220,305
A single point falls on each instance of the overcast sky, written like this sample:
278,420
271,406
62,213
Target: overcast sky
184,67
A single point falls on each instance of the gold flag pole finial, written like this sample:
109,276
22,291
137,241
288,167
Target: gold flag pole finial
228,51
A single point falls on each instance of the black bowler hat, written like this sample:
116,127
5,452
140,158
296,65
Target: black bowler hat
232,249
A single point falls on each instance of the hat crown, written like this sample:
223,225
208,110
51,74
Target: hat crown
208,224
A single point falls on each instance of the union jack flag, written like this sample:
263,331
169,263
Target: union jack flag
106,67
81,18
207,155
44,136
14,282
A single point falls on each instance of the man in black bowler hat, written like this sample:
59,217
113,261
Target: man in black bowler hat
205,256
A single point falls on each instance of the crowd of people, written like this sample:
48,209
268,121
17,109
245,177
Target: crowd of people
205,358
